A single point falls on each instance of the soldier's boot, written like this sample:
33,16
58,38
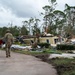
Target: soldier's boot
9,56
6,56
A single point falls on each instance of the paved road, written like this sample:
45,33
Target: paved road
20,64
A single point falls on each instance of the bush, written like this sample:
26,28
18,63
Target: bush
65,47
46,45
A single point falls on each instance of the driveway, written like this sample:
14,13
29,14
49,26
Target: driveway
20,64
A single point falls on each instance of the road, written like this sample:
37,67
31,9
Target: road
20,64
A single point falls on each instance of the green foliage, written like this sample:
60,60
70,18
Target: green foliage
24,30
14,30
32,25
65,47
53,19
64,66
53,1
3,31
29,52
69,19
51,51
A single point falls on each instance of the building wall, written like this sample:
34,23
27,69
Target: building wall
51,39
29,40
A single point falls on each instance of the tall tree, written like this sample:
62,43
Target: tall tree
24,31
15,30
36,28
70,19
28,24
3,31
49,16
59,20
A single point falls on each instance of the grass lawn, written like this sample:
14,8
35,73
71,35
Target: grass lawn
64,66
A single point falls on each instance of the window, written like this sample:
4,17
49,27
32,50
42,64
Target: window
47,40
32,41
55,40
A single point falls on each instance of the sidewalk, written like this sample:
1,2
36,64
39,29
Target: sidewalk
20,64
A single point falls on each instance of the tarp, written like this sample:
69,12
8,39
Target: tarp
19,47
63,55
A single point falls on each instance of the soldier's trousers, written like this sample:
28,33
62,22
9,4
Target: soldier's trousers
8,52
8,48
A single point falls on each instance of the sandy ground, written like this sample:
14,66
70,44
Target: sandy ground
20,64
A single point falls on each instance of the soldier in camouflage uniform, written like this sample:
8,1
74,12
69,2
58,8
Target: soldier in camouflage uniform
8,42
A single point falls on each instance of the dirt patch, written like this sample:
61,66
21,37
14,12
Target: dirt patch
43,57
68,67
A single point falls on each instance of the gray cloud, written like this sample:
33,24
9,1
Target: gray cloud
19,10
61,3
23,8
30,8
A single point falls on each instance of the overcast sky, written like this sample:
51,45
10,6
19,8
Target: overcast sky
16,11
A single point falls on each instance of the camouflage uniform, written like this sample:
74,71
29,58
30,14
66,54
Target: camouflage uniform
8,42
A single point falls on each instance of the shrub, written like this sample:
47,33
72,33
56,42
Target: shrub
46,45
65,47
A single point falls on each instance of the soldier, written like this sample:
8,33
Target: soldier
8,42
